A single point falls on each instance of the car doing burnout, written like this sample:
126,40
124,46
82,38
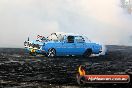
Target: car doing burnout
65,44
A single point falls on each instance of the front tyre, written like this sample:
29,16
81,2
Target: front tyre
51,53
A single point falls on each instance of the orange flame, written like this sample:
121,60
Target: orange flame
81,71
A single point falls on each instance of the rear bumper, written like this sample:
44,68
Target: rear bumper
97,52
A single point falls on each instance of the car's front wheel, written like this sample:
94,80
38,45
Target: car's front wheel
51,53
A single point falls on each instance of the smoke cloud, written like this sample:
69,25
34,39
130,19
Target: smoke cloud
103,21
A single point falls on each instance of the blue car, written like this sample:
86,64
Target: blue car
67,44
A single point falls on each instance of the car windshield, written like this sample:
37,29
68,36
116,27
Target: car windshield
52,37
55,37
60,37
86,39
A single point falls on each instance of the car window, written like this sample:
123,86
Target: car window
70,39
79,39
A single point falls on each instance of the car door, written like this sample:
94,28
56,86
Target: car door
79,45
69,46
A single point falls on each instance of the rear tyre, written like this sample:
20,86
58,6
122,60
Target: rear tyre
51,53
87,53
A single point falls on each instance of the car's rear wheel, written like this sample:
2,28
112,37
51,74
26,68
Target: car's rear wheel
87,53
51,53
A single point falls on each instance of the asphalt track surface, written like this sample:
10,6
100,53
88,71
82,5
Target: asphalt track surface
20,70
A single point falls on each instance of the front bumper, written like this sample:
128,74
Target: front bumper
38,51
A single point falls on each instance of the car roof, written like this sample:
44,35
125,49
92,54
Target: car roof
66,34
